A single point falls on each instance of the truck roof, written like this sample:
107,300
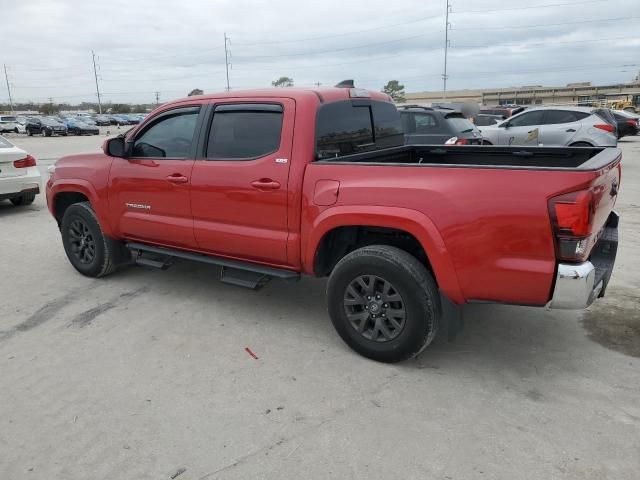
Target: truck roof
325,94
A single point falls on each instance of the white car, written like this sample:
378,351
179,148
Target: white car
8,123
555,126
19,176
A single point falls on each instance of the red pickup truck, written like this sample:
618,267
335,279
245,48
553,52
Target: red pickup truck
281,182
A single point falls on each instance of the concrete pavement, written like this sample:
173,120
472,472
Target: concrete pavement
144,373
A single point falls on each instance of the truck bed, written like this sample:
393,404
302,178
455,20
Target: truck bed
518,157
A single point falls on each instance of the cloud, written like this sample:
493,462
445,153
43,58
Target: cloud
144,46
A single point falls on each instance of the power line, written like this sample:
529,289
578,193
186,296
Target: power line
511,27
529,7
535,44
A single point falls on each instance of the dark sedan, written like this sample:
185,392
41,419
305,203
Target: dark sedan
102,120
627,123
78,127
45,126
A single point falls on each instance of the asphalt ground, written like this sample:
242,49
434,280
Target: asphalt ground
144,374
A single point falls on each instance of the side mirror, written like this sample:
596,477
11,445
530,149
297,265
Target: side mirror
114,147
504,125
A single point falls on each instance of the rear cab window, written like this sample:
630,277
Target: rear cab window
356,126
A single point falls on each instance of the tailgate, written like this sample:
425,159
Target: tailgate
605,192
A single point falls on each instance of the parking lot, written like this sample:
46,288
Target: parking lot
144,374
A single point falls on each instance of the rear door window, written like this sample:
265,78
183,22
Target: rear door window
553,117
425,123
244,131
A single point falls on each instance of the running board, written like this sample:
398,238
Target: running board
235,272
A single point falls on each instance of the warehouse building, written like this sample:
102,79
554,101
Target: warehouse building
573,93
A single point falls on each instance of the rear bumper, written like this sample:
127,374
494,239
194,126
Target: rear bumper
29,182
579,284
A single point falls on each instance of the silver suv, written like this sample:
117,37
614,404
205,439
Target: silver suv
555,126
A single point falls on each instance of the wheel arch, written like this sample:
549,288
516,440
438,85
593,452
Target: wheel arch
62,196
412,229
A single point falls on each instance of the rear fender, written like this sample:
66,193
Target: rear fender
411,221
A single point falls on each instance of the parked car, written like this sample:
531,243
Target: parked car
102,120
87,120
78,127
404,238
627,122
554,126
426,125
134,119
19,175
20,126
8,123
119,120
504,110
45,126
484,119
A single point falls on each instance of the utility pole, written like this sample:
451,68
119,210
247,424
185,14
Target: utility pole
447,26
6,77
157,98
95,74
317,84
227,53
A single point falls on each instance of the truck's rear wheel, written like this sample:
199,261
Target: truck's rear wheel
84,243
384,303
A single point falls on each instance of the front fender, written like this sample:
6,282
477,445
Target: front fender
86,188
411,221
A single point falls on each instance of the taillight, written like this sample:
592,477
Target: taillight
572,219
633,122
25,162
457,141
606,127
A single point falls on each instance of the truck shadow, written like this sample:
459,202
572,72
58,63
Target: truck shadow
523,341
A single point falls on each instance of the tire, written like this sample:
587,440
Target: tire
581,144
47,133
24,199
87,248
29,133
397,336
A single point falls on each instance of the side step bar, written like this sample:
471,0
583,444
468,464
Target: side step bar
235,272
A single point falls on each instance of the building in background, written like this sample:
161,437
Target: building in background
574,93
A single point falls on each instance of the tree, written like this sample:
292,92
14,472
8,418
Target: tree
120,108
394,90
283,82
195,91
49,108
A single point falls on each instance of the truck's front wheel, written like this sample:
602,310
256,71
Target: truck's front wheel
384,303
86,247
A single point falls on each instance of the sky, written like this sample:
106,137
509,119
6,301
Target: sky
172,47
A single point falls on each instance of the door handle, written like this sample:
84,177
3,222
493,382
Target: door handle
570,130
177,178
265,184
